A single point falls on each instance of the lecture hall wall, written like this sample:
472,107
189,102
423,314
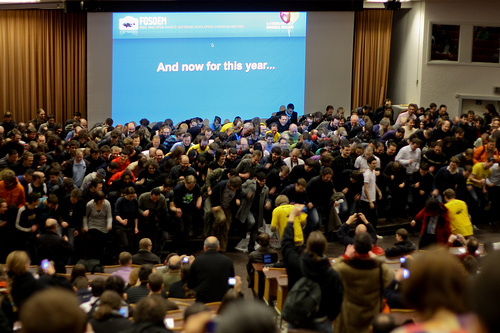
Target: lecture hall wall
412,78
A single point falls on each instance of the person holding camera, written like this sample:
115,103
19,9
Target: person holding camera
362,225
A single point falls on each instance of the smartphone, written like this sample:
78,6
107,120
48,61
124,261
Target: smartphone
45,263
231,281
169,323
305,209
185,260
406,273
124,311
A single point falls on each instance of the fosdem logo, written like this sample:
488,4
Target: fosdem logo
129,23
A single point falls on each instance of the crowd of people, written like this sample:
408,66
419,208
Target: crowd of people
70,193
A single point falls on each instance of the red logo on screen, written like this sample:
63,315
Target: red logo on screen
285,17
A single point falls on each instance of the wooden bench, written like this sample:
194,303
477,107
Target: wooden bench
178,317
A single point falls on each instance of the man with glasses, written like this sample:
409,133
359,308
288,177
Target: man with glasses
181,171
144,255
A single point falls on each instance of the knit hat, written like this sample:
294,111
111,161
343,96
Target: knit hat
101,174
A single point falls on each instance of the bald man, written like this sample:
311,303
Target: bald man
210,273
363,226
172,273
53,247
84,124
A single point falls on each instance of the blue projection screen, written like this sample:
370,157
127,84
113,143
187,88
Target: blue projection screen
182,65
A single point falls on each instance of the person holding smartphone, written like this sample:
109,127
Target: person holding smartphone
109,316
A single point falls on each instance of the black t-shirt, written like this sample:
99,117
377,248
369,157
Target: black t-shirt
185,199
214,165
40,190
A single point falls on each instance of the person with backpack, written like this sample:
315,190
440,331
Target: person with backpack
364,278
489,149
315,289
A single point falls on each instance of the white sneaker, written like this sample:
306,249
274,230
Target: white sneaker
380,237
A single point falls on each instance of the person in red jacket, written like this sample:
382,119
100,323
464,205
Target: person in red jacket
122,160
435,224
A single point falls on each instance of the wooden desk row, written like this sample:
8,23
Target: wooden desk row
274,282
178,315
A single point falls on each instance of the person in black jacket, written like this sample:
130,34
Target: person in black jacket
403,245
53,247
319,190
210,273
289,112
363,226
72,209
392,293
225,195
312,263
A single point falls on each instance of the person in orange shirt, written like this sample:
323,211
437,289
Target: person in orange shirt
11,190
482,153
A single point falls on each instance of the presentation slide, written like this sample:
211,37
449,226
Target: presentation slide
183,65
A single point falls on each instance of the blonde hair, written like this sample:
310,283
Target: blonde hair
281,200
133,277
16,262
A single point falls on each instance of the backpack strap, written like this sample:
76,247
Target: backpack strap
484,149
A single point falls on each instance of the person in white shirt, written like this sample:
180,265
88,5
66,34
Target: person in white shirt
361,161
369,193
403,116
294,159
410,156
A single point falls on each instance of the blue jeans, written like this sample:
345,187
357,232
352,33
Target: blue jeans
346,208
313,222
253,227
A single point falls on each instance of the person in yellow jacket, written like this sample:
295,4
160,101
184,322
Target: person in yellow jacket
459,214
